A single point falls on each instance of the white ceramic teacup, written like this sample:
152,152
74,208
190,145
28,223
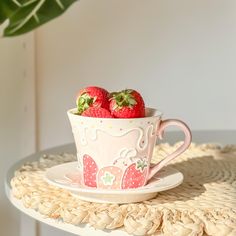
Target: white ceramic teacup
116,153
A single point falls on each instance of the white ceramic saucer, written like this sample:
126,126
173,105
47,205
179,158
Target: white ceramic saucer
68,176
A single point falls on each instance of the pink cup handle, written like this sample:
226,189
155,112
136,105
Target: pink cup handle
188,138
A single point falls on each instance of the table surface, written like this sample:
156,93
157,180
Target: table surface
223,137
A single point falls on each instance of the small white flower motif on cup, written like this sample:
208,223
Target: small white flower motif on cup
108,178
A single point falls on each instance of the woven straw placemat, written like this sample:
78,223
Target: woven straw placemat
205,204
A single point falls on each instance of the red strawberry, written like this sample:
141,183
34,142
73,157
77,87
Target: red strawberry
92,97
97,112
90,170
109,177
127,104
135,175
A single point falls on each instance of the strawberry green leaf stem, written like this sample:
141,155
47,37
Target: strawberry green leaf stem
124,98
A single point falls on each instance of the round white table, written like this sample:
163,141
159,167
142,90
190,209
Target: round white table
215,136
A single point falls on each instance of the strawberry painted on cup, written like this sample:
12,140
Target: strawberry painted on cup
115,135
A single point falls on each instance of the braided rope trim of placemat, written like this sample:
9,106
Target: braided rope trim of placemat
205,204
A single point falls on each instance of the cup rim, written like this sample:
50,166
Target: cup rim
156,113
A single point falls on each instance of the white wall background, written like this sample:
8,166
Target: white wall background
180,54
9,126
17,118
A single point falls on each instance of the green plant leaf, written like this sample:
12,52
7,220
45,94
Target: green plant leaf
7,8
27,15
